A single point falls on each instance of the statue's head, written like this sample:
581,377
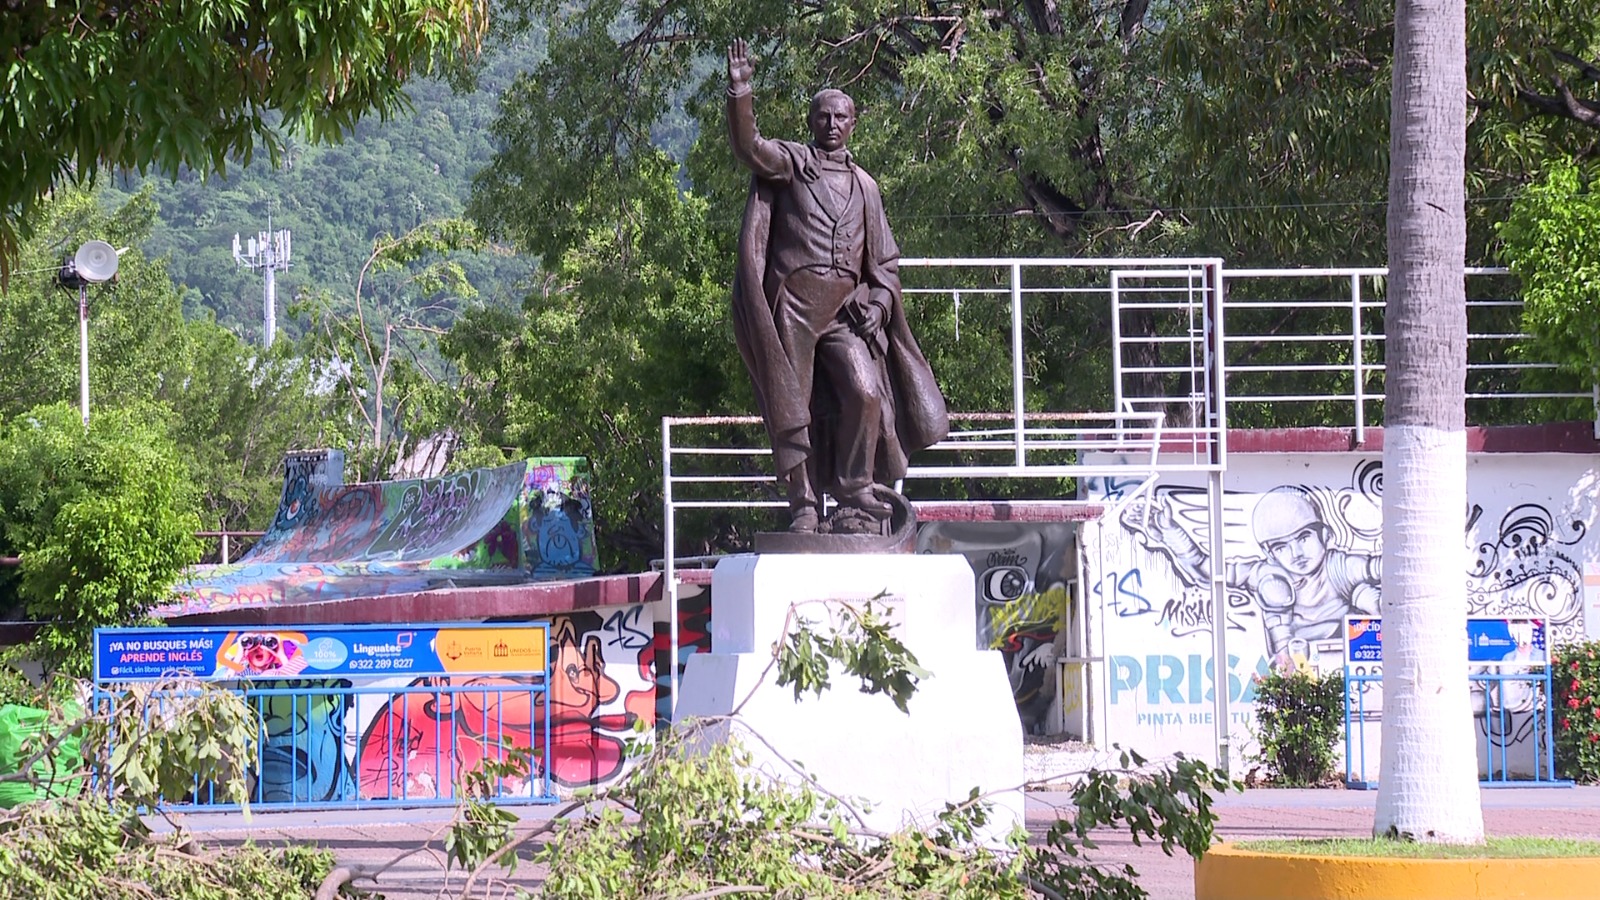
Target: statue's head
832,118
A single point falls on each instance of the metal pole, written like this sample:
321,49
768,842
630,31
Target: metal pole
669,569
1016,358
1116,349
1219,466
1219,622
1360,386
83,352
269,304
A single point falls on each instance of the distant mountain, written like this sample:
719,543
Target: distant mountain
386,177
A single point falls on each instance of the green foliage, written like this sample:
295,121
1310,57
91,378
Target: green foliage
136,331
162,741
865,646
148,745
103,518
387,177
694,817
690,819
1292,106
175,85
627,324
1299,720
702,823
1575,670
87,849
1171,806
1552,243
482,826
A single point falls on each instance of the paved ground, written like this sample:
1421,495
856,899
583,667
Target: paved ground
371,838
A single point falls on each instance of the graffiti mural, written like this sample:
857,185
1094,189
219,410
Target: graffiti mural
694,636
1301,549
1527,568
396,737
525,521
557,534
1022,575
1314,562
303,743
602,687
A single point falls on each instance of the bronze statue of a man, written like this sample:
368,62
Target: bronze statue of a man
844,390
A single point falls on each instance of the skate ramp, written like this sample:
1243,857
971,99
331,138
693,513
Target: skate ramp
527,521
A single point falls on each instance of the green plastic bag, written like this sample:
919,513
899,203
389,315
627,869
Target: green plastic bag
20,726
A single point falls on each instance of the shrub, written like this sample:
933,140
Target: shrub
1299,719
103,518
1575,673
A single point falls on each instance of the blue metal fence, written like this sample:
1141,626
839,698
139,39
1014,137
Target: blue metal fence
1529,721
1513,680
368,716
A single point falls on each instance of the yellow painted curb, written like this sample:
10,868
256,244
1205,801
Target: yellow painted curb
1228,873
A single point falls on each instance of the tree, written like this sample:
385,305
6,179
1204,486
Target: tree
383,361
1552,242
135,325
175,85
1428,786
236,410
1290,104
627,324
103,518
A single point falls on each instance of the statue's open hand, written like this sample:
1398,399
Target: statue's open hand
739,67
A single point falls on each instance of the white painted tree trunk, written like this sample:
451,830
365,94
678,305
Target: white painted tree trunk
1428,783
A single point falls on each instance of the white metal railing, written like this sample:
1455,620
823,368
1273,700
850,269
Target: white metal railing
1150,372
1299,347
1130,439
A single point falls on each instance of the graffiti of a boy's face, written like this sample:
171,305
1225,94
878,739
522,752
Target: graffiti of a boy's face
1302,552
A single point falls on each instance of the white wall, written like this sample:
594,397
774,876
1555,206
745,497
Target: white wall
1531,518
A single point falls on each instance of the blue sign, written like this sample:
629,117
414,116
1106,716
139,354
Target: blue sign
318,651
1507,642
1363,642
1494,642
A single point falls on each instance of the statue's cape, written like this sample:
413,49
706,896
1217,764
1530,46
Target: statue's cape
920,416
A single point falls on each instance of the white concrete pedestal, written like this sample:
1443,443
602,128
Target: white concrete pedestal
962,731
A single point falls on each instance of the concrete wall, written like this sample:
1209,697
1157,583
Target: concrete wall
1024,575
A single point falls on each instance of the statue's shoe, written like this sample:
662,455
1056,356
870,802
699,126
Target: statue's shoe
803,521
867,502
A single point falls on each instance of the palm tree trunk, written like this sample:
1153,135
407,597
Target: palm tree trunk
1428,785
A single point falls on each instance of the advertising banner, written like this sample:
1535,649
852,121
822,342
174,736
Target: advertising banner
1363,640
1507,642
320,651
1490,641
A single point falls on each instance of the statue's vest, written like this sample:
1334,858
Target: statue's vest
811,229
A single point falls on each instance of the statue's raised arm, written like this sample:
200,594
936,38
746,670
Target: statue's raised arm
753,151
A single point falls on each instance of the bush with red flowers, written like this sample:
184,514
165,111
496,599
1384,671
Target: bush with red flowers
1575,670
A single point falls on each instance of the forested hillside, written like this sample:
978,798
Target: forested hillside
387,177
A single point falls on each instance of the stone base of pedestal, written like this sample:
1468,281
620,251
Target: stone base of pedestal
962,731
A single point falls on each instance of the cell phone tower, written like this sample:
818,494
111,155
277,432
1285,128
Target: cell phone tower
269,252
